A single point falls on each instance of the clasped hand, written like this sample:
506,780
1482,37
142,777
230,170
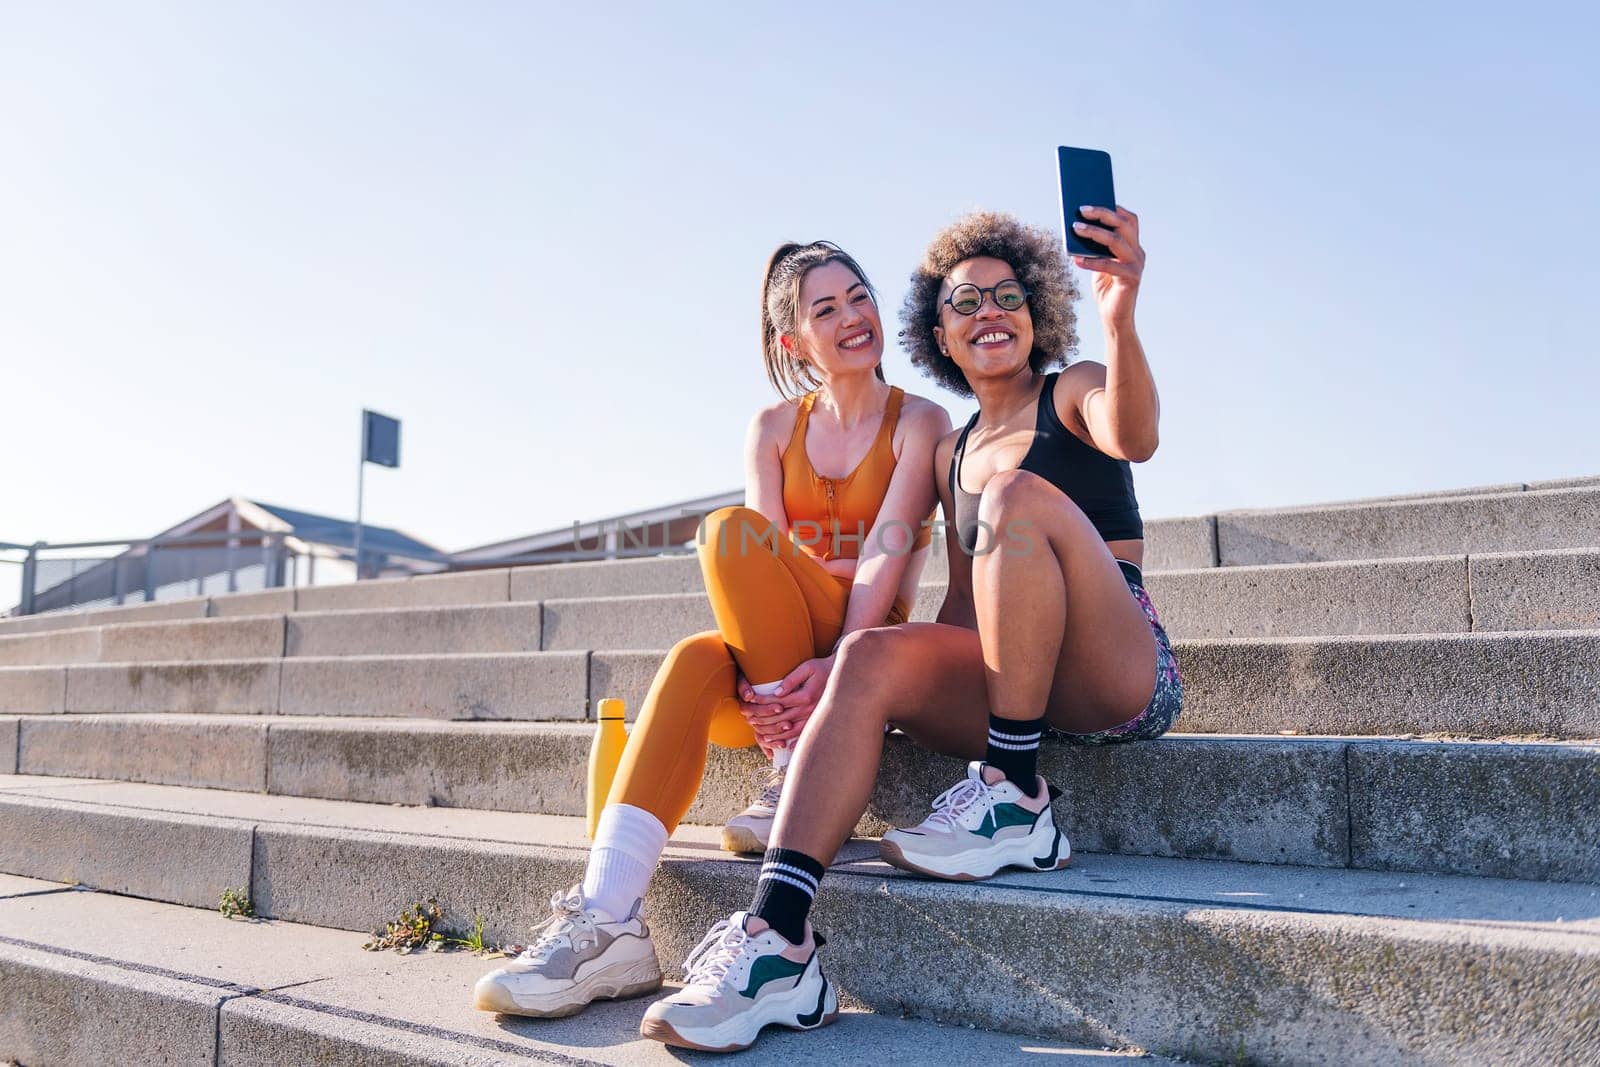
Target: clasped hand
778,719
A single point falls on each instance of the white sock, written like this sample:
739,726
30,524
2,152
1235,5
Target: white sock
627,844
780,756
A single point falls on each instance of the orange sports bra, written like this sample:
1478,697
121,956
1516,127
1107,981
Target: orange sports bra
845,508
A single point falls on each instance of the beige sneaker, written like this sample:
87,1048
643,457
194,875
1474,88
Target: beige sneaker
580,956
751,829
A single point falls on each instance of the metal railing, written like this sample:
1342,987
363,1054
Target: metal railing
83,574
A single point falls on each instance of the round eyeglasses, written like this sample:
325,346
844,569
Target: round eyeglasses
967,298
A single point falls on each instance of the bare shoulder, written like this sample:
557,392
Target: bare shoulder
927,416
774,423
1076,382
1082,376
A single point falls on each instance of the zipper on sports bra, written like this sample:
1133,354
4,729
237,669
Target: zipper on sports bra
833,518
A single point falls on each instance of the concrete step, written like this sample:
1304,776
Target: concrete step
1210,960
1478,490
80,989
1508,810
428,590
1433,526
476,628
507,685
185,608
1445,594
1438,595
1544,683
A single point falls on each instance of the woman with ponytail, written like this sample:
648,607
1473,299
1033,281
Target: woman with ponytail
831,541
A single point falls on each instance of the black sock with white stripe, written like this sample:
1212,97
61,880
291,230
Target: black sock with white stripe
783,895
1014,750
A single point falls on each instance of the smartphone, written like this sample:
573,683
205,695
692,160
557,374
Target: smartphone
1085,180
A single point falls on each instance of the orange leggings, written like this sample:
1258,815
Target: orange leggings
776,607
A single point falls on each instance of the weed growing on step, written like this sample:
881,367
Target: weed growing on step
473,942
413,930
422,926
236,905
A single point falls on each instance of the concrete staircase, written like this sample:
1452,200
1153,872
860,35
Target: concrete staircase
1376,840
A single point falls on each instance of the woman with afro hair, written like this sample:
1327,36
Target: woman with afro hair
1045,632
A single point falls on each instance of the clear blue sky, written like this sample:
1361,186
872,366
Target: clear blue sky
534,233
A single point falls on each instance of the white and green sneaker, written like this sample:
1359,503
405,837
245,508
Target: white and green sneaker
581,955
741,977
979,827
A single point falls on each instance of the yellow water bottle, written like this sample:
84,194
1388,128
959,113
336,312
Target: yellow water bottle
610,737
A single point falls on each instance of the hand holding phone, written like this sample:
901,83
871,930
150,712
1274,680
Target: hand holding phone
1116,268
1085,181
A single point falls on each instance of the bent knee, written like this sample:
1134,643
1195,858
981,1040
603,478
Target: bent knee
1016,490
700,655
1018,507
729,534
867,661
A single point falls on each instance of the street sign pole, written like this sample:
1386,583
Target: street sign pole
380,444
361,484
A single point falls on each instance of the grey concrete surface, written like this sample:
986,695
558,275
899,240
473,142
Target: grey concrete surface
50,647
8,744
925,608
429,590
1564,483
627,577
625,676
498,766
1370,597
1536,590
180,858
479,628
33,690
291,993
218,752
1261,799
1180,543
195,640
1391,596
533,685
1350,966
356,879
625,622
12,885
195,607
1547,519
1188,796
260,602
1509,811
58,1009
1476,490
1265,800
247,687
33,624
1481,685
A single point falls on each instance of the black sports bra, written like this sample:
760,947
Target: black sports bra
1100,485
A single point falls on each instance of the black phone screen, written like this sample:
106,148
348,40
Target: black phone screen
1085,180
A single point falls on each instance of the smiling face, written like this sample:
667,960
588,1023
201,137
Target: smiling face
991,342
839,329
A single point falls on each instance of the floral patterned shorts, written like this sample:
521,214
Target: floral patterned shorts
1167,701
